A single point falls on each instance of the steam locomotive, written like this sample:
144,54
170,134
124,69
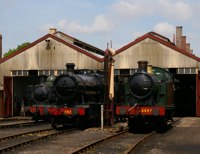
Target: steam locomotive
74,98
41,96
148,100
79,96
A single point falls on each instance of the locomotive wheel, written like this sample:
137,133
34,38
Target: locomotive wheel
54,126
135,124
54,123
82,122
36,117
162,124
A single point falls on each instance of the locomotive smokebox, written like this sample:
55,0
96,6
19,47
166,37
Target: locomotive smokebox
142,66
70,67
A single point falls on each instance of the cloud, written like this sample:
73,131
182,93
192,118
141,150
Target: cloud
123,11
132,8
100,24
169,8
62,23
176,9
165,29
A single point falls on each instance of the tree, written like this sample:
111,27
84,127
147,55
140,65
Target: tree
11,51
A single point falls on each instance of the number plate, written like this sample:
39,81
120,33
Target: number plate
68,112
145,110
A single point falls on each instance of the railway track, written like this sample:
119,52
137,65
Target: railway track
123,142
138,142
17,124
11,142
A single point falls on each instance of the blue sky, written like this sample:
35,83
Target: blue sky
98,21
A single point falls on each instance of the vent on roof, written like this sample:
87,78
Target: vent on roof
52,30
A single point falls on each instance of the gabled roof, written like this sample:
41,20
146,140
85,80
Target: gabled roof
159,38
79,43
77,48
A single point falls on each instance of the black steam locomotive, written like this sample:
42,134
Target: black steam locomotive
73,98
79,96
40,98
148,100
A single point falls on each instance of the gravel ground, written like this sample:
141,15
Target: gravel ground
183,138
15,119
64,144
13,131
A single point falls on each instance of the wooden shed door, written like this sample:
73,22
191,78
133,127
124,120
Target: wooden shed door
8,94
198,95
1,103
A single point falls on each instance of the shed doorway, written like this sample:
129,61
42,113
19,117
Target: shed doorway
185,95
20,83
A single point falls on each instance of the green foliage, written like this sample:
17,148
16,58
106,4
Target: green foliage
11,51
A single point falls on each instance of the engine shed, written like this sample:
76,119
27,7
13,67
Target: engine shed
49,54
46,56
176,57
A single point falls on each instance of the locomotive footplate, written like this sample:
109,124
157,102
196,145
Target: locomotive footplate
138,110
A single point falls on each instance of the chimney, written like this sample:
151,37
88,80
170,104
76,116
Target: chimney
142,66
70,67
188,47
183,42
178,36
52,30
0,46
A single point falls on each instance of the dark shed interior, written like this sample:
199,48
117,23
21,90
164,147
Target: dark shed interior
20,83
185,94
